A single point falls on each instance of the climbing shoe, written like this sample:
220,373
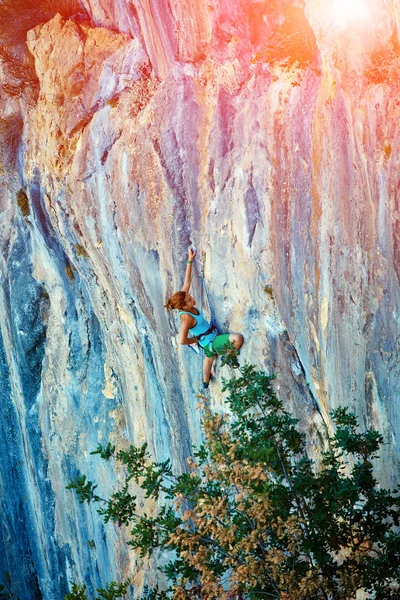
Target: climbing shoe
205,384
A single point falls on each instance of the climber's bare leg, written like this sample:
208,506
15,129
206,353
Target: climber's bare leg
207,366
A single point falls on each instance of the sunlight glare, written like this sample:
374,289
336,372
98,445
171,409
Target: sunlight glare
350,10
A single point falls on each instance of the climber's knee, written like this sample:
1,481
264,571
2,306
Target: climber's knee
208,361
237,340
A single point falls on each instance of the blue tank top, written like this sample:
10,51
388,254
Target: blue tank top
201,327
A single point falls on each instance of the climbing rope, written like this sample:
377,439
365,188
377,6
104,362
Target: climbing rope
204,291
201,275
204,297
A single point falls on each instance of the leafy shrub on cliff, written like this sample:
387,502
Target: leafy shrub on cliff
17,17
254,517
23,203
10,138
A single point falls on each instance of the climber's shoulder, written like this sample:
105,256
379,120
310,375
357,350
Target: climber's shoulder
187,319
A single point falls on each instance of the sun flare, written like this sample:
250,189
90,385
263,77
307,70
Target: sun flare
351,10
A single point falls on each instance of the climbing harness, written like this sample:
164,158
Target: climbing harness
201,330
206,333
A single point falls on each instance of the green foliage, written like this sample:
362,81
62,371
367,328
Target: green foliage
84,489
230,356
106,452
78,592
154,594
120,507
254,516
112,591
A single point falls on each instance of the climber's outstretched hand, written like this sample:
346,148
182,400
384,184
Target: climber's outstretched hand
188,273
191,254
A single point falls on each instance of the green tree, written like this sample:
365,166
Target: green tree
254,517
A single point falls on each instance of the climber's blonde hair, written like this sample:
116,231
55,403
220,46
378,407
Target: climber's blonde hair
177,301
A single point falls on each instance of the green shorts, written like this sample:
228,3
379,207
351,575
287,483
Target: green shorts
218,346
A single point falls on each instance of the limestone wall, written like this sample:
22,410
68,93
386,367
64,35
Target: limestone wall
264,134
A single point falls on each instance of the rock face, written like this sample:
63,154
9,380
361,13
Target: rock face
264,133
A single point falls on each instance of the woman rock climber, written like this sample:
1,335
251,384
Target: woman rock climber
203,333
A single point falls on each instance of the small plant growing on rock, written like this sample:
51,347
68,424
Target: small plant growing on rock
80,251
285,335
254,517
10,138
23,203
387,150
268,290
113,102
69,273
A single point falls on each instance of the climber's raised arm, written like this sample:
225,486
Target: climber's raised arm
188,274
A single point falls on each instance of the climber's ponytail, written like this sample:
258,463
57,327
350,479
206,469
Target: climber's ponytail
176,301
168,305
